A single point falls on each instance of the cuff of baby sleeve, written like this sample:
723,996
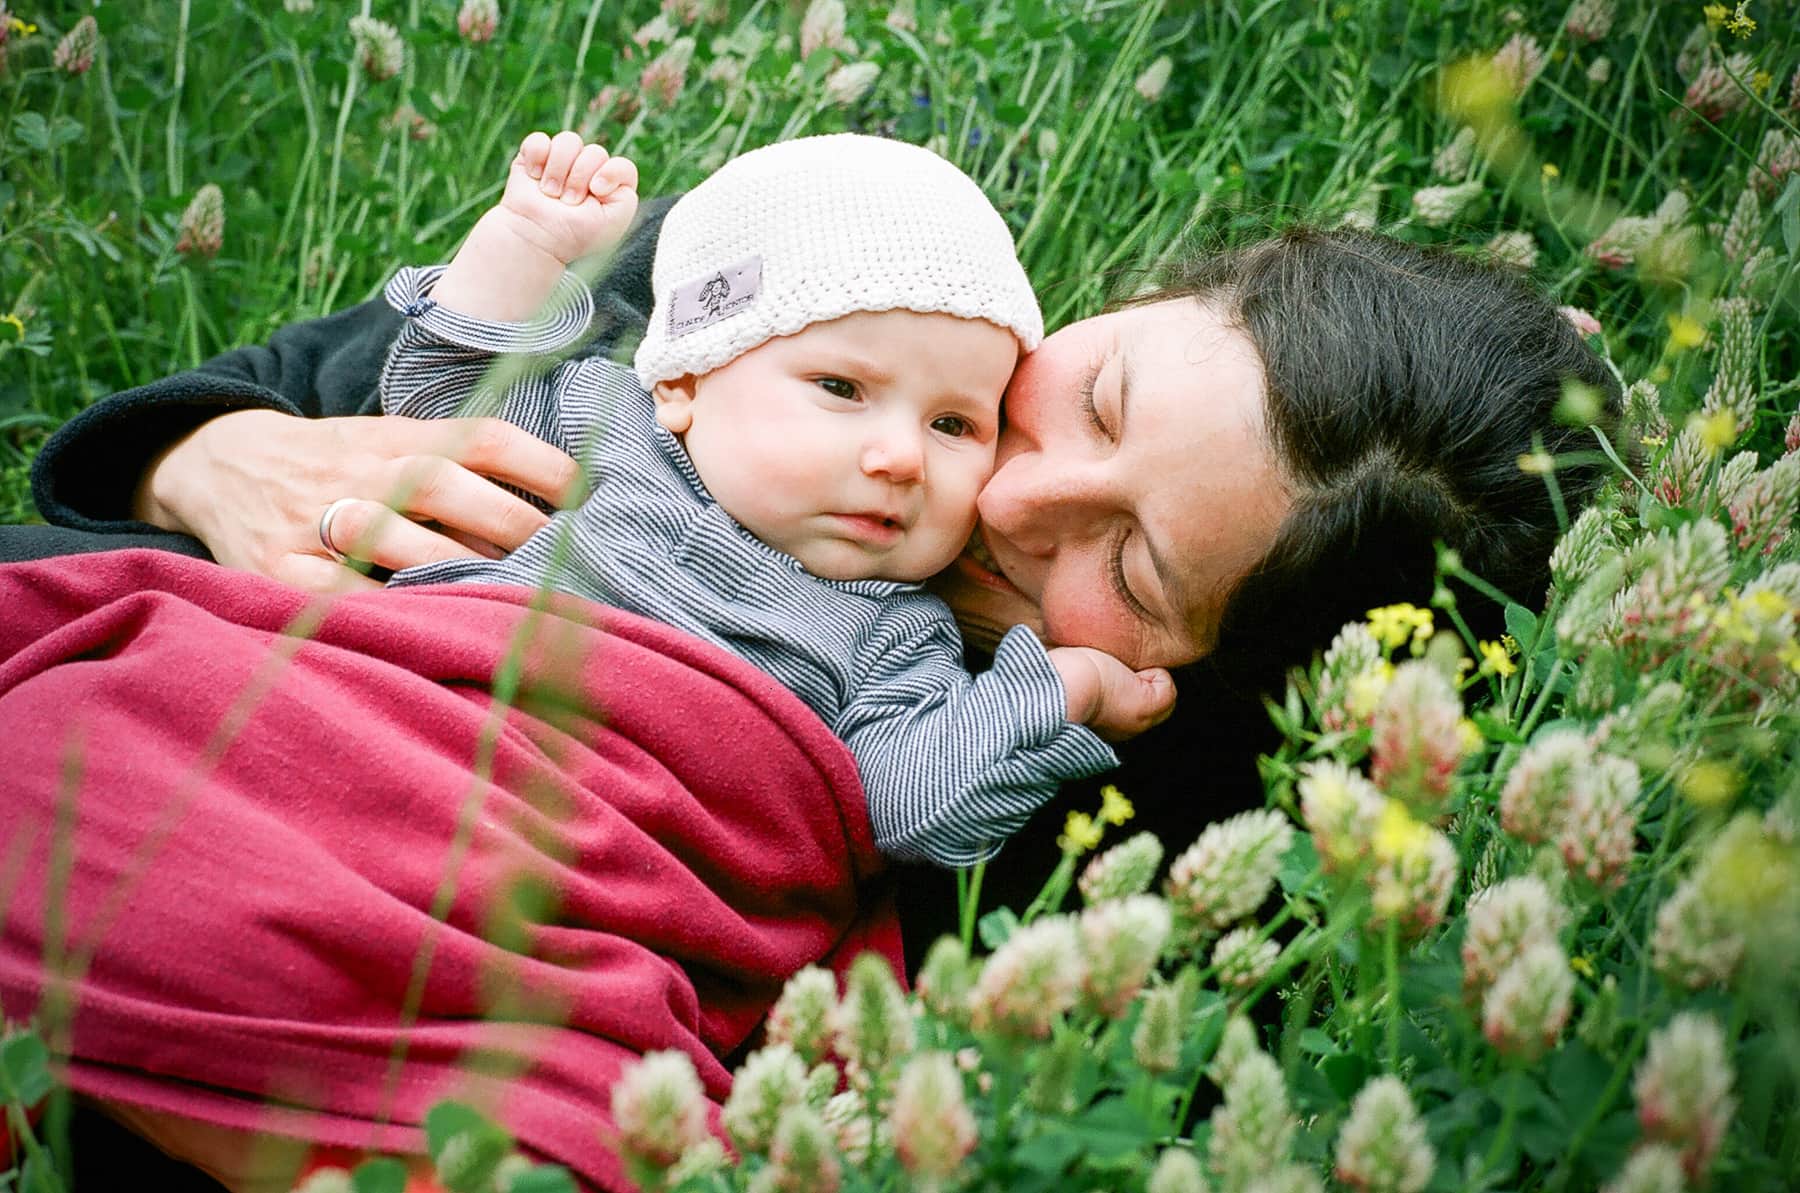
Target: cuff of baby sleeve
563,323
1072,750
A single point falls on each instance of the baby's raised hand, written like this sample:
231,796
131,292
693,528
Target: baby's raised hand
569,198
1109,697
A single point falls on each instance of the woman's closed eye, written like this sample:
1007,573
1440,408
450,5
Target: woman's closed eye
1115,558
1089,406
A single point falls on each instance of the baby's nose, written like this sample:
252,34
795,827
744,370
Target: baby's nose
895,453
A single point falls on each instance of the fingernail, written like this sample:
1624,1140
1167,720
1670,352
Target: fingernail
552,189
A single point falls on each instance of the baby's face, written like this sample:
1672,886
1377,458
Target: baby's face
857,446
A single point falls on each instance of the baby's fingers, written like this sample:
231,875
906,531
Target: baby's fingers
534,151
587,164
617,173
565,147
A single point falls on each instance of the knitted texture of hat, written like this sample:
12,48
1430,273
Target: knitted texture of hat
819,228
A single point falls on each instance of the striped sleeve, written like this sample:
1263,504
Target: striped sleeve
445,364
953,764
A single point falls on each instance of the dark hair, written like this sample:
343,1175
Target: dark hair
1403,386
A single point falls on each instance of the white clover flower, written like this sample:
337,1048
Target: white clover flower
1536,790
1227,873
945,979
872,1025
1693,945
1128,868
801,1154
1342,811
1382,1148
1351,676
1121,940
1453,159
770,1080
1654,1168
802,1015
1683,1089
1156,1043
1030,980
1437,206
1776,157
932,1126
849,83
1241,960
75,52
1599,822
202,228
1519,249
659,1109
666,75
379,49
1414,872
1526,1008
1590,20
477,19
1504,920
1417,741
822,28
1254,1127
1238,1042
1151,83
1519,61
1177,1171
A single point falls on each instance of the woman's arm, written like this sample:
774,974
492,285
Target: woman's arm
217,451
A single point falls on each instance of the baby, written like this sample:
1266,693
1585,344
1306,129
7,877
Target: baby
813,411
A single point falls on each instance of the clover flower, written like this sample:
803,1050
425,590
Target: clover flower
1680,574
1156,1043
1531,801
1628,236
1505,920
1382,1148
1683,1089
1285,1178
1415,869
846,1116
1519,61
1351,676
1030,980
476,19
1734,384
1177,1171
1437,206
75,52
1121,940
1227,873
1599,71
1342,810
684,12
659,1110
1417,742
1695,50
822,28
1241,959
1714,93
1128,868
1592,538
872,1026
1589,20
379,50
849,83
1655,1168
801,1156
663,80
1253,1129
1584,323
1519,250
1744,229
1526,1008
802,1016
770,1080
1151,84
297,6
1599,822
1776,157
1681,476
946,978
202,228
1236,1044
1693,945
1453,159
611,105
932,1126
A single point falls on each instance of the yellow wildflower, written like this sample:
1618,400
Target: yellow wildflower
20,28
1715,15
18,325
1496,659
1363,693
1740,24
1710,783
1398,835
1789,655
1718,430
1080,833
1468,736
1685,332
1653,440
1115,809
1393,624
1746,872
1549,170
1583,966
1760,82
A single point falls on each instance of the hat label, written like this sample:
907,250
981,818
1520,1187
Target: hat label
714,296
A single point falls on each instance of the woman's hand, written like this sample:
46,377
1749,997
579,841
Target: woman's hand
1109,697
252,486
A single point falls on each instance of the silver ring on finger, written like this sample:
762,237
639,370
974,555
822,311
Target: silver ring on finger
325,521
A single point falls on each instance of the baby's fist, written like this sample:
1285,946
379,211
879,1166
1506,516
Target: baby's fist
570,198
1109,697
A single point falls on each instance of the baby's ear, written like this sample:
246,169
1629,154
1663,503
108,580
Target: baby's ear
675,404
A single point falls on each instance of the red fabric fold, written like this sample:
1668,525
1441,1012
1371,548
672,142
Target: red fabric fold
230,809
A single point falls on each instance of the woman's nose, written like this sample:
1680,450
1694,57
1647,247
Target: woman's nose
1036,507
895,453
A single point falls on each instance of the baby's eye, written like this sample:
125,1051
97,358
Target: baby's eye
953,425
837,387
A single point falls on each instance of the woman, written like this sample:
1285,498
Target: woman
1223,471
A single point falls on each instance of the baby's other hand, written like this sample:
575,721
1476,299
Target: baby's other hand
569,198
1109,697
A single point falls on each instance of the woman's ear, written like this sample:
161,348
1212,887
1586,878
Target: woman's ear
675,404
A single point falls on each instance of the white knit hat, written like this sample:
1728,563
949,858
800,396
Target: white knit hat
811,230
